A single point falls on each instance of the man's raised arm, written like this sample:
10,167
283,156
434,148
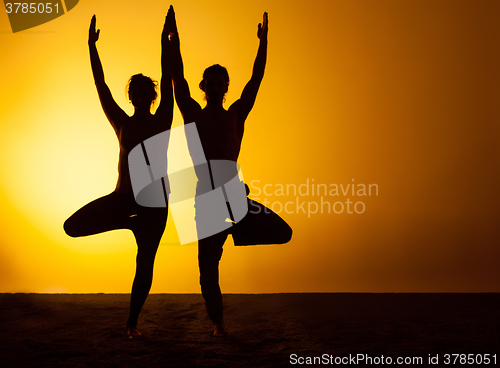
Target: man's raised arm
181,87
247,99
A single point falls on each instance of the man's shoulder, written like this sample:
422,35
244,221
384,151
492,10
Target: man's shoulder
236,109
234,106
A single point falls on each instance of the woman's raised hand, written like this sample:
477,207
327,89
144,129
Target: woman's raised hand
93,35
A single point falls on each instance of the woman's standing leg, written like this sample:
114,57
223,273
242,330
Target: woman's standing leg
148,227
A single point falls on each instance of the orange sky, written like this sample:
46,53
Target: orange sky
403,95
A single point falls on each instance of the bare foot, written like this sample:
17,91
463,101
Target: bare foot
220,330
133,333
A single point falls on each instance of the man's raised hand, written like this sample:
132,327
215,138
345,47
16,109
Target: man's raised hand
262,29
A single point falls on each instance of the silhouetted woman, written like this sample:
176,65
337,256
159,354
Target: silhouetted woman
119,210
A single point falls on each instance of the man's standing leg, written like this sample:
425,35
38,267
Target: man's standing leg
209,255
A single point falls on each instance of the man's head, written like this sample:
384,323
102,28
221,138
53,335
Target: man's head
142,91
215,83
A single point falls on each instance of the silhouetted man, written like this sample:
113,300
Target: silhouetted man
221,133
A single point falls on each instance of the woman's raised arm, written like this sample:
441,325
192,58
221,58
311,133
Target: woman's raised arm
113,112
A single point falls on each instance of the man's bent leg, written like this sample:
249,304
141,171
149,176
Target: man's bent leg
261,226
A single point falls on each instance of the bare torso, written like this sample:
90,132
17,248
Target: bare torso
132,132
221,132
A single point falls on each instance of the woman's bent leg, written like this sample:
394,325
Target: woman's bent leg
111,212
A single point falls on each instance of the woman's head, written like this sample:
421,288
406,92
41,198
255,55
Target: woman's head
142,91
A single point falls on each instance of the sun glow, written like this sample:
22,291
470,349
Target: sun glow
401,95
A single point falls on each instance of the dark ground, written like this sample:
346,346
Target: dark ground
87,330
